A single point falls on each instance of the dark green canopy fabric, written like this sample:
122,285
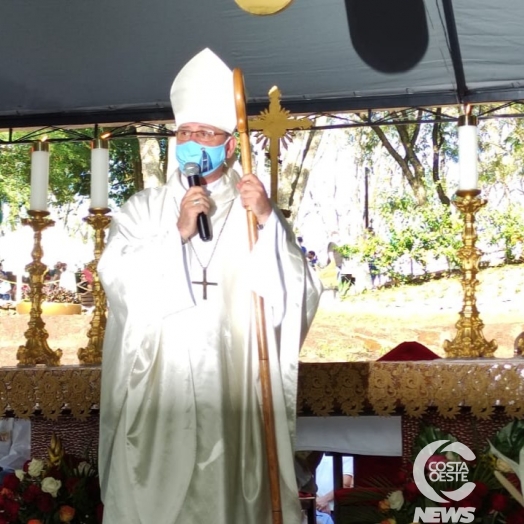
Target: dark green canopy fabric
80,62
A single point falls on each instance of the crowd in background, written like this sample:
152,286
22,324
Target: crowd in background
349,273
61,284
6,284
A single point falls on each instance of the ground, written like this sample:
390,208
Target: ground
361,327
365,326
66,332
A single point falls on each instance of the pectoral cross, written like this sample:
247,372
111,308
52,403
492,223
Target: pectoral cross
275,125
204,283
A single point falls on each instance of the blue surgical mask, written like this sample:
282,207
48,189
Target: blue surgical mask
208,158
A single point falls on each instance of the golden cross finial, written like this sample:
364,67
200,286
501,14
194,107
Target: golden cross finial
275,123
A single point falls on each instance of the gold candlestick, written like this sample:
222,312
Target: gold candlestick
469,341
518,345
36,350
92,353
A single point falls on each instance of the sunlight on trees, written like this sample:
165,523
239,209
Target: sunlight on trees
397,178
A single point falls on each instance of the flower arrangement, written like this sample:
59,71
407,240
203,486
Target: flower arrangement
63,488
495,474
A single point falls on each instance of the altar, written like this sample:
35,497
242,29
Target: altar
464,395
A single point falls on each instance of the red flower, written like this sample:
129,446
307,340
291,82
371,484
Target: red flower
31,493
45,502
11,481
11,508
71,484
401,478
517,517
99,513
6,494
481,490
499,502
471,501
66,513
411,491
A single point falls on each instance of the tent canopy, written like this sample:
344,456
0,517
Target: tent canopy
77,62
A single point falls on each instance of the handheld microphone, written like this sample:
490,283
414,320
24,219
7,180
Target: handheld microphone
192,171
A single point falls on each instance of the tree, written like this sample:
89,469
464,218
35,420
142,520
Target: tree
409,145
295,174
408,161
153,159
410,231
14,178
438,139
297,150
125,169
68,160
69,171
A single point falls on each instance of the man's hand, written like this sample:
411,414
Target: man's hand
323,503
195,201
254,197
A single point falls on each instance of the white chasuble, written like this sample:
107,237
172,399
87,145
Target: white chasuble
181,430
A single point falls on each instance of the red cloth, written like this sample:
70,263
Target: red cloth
369,467
409,351
304,495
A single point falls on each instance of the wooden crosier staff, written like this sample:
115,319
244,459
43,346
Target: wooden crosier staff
263,356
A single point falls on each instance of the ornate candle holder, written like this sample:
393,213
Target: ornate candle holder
36,350
518,345
92,353
469,341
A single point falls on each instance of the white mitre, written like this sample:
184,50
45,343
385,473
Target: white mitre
203,92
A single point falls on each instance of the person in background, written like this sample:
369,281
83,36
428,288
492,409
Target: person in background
300,241
181,428
67,278
5,285
15,444
85,289
87,275
374,272
334,255
312,259
324,481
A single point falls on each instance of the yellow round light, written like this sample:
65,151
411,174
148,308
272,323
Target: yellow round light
263,7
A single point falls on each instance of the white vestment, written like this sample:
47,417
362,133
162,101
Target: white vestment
181,431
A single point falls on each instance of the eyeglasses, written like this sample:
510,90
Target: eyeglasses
204,135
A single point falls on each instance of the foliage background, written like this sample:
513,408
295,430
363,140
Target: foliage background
337,182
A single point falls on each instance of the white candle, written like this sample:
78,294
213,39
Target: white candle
99,174
468,152
39,176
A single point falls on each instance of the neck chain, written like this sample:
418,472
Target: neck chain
204,282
